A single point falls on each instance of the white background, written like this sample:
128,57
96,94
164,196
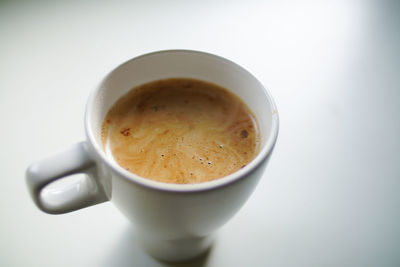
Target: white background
330,195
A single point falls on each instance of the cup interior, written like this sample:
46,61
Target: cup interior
182,64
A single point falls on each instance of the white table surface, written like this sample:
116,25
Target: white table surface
330,195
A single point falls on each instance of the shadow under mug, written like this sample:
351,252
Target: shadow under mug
175,222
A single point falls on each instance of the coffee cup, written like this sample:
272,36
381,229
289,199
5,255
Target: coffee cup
174,222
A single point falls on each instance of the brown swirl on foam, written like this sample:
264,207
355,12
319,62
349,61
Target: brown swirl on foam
180,131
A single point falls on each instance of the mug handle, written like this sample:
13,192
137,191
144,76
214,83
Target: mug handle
82,194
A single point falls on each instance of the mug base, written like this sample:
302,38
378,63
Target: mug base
177,250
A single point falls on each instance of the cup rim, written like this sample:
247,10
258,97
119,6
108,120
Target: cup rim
171,187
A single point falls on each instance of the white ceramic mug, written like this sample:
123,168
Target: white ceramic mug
174,221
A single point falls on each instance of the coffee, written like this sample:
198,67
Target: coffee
180,130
